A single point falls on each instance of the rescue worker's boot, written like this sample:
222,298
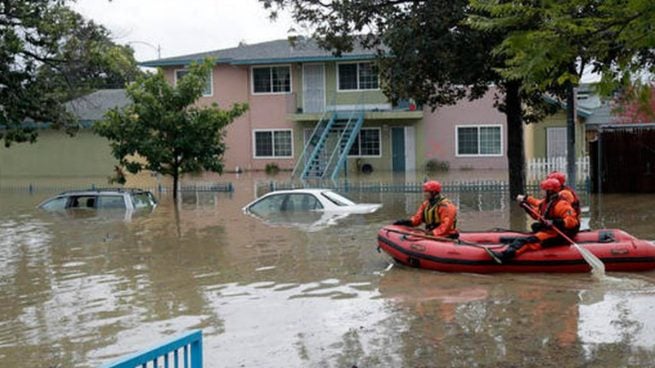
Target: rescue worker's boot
518,246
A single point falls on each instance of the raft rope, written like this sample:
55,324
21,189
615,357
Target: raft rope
455,241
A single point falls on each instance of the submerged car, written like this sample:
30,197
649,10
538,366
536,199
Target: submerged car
100,199
320,200
309,209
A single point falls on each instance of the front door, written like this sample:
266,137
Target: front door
313,88
555,142
398,149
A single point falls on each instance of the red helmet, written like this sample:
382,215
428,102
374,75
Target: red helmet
432,186
557,175
551,185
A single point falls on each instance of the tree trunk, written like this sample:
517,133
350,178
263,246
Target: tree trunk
176,177
570,133
515,145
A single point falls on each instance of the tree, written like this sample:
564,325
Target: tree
48,54
162,130
426,51
635,105
613,37
90,61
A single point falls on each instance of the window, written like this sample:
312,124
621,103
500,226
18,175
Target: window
271,79
357,76
484,140
367,143
83,202
109,201
273,143
56,204
208,91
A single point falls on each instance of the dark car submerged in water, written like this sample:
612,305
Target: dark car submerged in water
87,203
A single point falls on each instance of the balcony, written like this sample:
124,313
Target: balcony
373,110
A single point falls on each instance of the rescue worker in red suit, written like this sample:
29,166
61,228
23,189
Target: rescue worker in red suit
567,193
556,212
437,212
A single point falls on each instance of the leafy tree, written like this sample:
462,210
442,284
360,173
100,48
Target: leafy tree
48,54
635,105
163,131
614,37
426,51
91,61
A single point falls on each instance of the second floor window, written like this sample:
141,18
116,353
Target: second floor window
271,79
357,76
207,91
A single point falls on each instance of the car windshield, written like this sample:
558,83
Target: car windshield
55,204
337,199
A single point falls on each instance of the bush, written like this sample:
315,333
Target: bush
437,165
272,168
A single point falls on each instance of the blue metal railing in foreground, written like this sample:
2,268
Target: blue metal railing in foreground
182,351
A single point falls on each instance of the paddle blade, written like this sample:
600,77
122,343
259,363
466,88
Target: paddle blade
597,266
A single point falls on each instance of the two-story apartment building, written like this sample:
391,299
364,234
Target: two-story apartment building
318,113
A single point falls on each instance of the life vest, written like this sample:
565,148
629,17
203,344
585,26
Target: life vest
576,200
546,211
431,213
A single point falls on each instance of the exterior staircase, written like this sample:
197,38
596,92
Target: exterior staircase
326,151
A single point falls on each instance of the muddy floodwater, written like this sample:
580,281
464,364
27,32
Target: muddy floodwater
82,290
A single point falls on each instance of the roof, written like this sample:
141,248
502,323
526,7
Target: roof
271,52
580,111
601,115
92,107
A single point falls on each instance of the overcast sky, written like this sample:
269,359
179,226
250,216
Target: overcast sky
184,27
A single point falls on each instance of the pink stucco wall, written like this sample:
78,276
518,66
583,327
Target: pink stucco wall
439,133
231,84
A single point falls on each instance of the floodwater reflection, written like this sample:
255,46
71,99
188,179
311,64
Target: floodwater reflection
80,292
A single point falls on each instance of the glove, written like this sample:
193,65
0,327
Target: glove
403,222
558,223
548,224
520,198
537,226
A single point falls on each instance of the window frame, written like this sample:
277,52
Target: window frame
270,66
478,126
273,130
211,81
379,130
358,89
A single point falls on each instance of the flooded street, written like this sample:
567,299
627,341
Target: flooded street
82,291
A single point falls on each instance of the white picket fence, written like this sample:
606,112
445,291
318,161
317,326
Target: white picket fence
538,168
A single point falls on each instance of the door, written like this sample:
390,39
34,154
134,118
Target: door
556,142
398,149
313,88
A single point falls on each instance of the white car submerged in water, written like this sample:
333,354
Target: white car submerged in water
312,209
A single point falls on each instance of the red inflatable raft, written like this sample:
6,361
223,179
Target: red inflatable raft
618,250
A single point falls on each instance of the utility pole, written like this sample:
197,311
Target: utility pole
570,133
156,48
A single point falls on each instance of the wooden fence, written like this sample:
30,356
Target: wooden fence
623,159
538,168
